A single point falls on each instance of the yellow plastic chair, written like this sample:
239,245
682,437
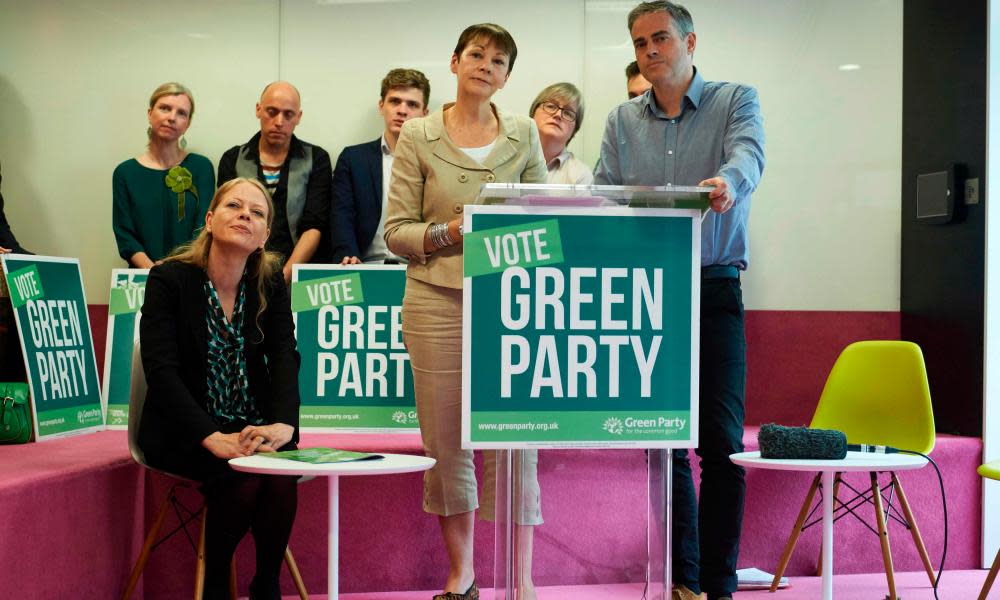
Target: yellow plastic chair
990,470
877,393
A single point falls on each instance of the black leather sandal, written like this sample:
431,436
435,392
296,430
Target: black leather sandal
470,594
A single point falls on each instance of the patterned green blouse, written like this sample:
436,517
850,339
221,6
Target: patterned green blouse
229,398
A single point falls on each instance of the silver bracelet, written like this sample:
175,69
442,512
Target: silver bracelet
439,235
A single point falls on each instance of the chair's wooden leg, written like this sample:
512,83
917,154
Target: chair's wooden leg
836,491
147,546
232,579
199,570
296,576
793,537
918,541
883,535
989,578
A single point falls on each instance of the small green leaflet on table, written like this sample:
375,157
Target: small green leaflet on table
323,455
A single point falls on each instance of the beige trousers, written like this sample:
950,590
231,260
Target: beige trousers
432,332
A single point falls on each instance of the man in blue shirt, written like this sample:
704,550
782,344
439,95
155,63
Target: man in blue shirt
686,131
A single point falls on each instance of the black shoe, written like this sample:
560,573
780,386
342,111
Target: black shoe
265,590
470,594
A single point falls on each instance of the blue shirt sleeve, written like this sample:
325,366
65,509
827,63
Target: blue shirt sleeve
743,146
608,168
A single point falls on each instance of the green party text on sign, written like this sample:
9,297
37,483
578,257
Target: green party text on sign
526,245
329,291
595,350
57,346
355,373
24,284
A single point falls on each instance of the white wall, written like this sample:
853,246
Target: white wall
75,81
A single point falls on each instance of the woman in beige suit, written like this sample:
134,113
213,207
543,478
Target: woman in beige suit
440,162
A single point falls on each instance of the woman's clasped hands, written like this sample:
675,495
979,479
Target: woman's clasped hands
252,439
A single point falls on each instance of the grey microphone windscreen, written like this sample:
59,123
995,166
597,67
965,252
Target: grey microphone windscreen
777,441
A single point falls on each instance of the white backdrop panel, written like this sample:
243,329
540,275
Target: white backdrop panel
75,81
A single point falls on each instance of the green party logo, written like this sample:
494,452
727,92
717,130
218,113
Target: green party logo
404,417
614,426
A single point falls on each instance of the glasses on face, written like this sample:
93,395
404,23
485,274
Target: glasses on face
551,108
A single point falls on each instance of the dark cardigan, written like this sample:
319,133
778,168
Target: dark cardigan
174,348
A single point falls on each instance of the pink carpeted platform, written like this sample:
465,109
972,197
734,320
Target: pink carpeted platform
77,510
71,520
957,585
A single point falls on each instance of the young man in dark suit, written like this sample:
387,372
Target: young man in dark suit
361,177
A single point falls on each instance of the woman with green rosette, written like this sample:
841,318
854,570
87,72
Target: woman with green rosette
160,197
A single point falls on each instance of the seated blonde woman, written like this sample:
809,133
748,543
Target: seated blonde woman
218,349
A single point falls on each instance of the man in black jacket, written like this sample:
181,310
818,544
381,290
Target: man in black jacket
296,173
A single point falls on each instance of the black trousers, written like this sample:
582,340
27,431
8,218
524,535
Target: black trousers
238,503
706,534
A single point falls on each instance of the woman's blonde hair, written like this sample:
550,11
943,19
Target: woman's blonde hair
262,265
172,88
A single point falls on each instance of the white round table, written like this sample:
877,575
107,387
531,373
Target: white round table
391,463
855,461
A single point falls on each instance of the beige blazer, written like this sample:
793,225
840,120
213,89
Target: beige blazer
433,180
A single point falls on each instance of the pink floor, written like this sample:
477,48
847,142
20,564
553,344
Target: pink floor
955,585
82,507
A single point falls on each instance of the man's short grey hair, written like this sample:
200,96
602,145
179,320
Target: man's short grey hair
680,15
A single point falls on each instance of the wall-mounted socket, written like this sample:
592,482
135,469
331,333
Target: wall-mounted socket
972,191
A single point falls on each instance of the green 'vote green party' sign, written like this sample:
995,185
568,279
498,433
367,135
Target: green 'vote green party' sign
128,288
52,323
355,373
580,327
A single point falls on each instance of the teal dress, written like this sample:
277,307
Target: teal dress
145,214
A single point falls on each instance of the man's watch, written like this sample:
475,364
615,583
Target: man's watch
461,229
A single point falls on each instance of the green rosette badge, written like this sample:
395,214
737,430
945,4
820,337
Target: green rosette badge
179,180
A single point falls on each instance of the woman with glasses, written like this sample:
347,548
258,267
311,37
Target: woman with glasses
440,163
558,112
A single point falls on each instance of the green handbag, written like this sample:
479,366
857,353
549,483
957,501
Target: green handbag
15,414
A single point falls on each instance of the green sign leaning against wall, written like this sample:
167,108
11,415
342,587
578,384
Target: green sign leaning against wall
355,373
54,328
128,287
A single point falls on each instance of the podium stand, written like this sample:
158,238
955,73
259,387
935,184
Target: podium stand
581,328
